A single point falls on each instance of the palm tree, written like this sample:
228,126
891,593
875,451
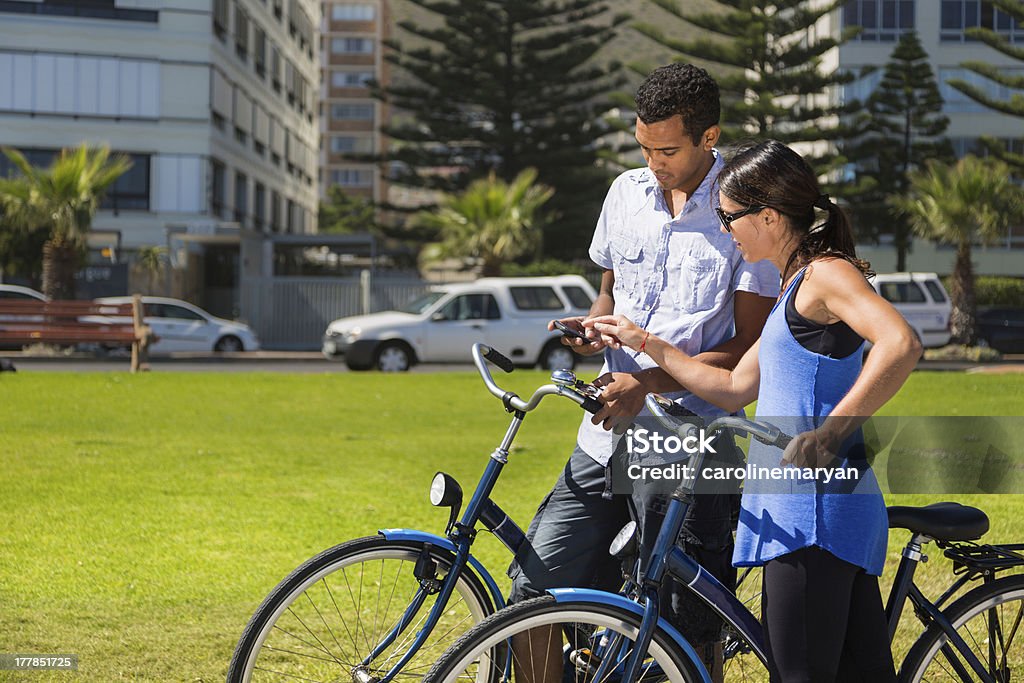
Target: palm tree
151,261
491,220
63,199
972,201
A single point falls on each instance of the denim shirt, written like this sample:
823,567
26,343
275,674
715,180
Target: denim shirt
675,276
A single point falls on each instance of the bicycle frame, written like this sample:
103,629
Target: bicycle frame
462,533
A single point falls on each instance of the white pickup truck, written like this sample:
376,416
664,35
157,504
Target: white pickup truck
510,314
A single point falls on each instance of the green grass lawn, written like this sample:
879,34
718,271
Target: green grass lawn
145,517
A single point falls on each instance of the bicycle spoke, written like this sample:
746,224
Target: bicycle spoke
355,648
322,646
324,621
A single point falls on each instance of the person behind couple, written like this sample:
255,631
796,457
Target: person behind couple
822,551
664,262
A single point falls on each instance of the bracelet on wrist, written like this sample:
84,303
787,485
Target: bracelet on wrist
643,344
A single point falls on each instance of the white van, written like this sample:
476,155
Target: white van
922,300
510,314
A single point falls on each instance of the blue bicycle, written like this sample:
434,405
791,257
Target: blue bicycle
386,606
622,639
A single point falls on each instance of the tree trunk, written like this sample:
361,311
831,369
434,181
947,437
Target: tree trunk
60,263
962,318
491,267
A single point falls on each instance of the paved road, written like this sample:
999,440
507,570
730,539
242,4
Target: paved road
313,362
261,361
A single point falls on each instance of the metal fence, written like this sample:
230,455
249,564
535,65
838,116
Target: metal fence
291,313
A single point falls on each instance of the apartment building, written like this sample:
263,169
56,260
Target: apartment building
213,100
350,120
941,27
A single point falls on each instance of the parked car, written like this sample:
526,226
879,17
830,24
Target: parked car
181,326
19,293
510,314
1002,328
922,300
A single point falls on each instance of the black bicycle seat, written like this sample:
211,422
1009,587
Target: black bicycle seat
941,521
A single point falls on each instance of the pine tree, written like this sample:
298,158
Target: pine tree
902,128
1014,106
768,67
504,86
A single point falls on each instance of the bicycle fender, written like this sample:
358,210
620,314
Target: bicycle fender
442,542
589,595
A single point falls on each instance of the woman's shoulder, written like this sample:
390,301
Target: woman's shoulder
834,270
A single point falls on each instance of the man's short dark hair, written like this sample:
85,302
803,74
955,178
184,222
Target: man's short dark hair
682,89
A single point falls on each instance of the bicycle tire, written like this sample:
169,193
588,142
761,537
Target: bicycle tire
299,648
484,645
925,661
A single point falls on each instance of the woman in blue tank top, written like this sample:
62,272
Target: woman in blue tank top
821,540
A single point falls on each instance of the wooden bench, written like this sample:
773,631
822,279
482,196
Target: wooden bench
76,322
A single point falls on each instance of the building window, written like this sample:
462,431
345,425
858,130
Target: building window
241,197
959,15
93,9
259,49
353,13
291,218
275,67
350,177
218,188
352,112
881,20
259,206
275,211
350,79
241,33
130,192
352,46
861,88
350,144
220,18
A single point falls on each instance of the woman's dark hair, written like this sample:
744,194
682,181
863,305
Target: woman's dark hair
682,89
771,174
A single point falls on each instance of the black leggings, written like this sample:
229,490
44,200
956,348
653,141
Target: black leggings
824,621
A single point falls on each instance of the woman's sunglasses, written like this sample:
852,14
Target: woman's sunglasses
728,218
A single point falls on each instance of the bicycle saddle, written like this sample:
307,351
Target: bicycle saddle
940,521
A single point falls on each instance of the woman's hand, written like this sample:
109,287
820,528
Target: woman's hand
617,331
816,448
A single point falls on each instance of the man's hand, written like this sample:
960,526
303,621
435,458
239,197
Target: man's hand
578,345
623,397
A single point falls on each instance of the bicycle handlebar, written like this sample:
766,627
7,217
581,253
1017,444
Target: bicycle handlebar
483,353
663,409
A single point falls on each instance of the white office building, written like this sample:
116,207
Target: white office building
214,100
941,27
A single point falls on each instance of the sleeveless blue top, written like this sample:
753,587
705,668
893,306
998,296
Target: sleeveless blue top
781,512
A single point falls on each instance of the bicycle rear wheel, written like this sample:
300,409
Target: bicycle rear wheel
592,639
741,664
990,619
321,621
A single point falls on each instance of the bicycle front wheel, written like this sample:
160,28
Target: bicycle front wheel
542,639
990,619
323,620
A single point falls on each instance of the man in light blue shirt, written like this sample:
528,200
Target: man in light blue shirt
668,267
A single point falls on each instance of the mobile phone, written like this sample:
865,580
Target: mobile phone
569,332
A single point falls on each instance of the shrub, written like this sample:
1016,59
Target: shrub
996,291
